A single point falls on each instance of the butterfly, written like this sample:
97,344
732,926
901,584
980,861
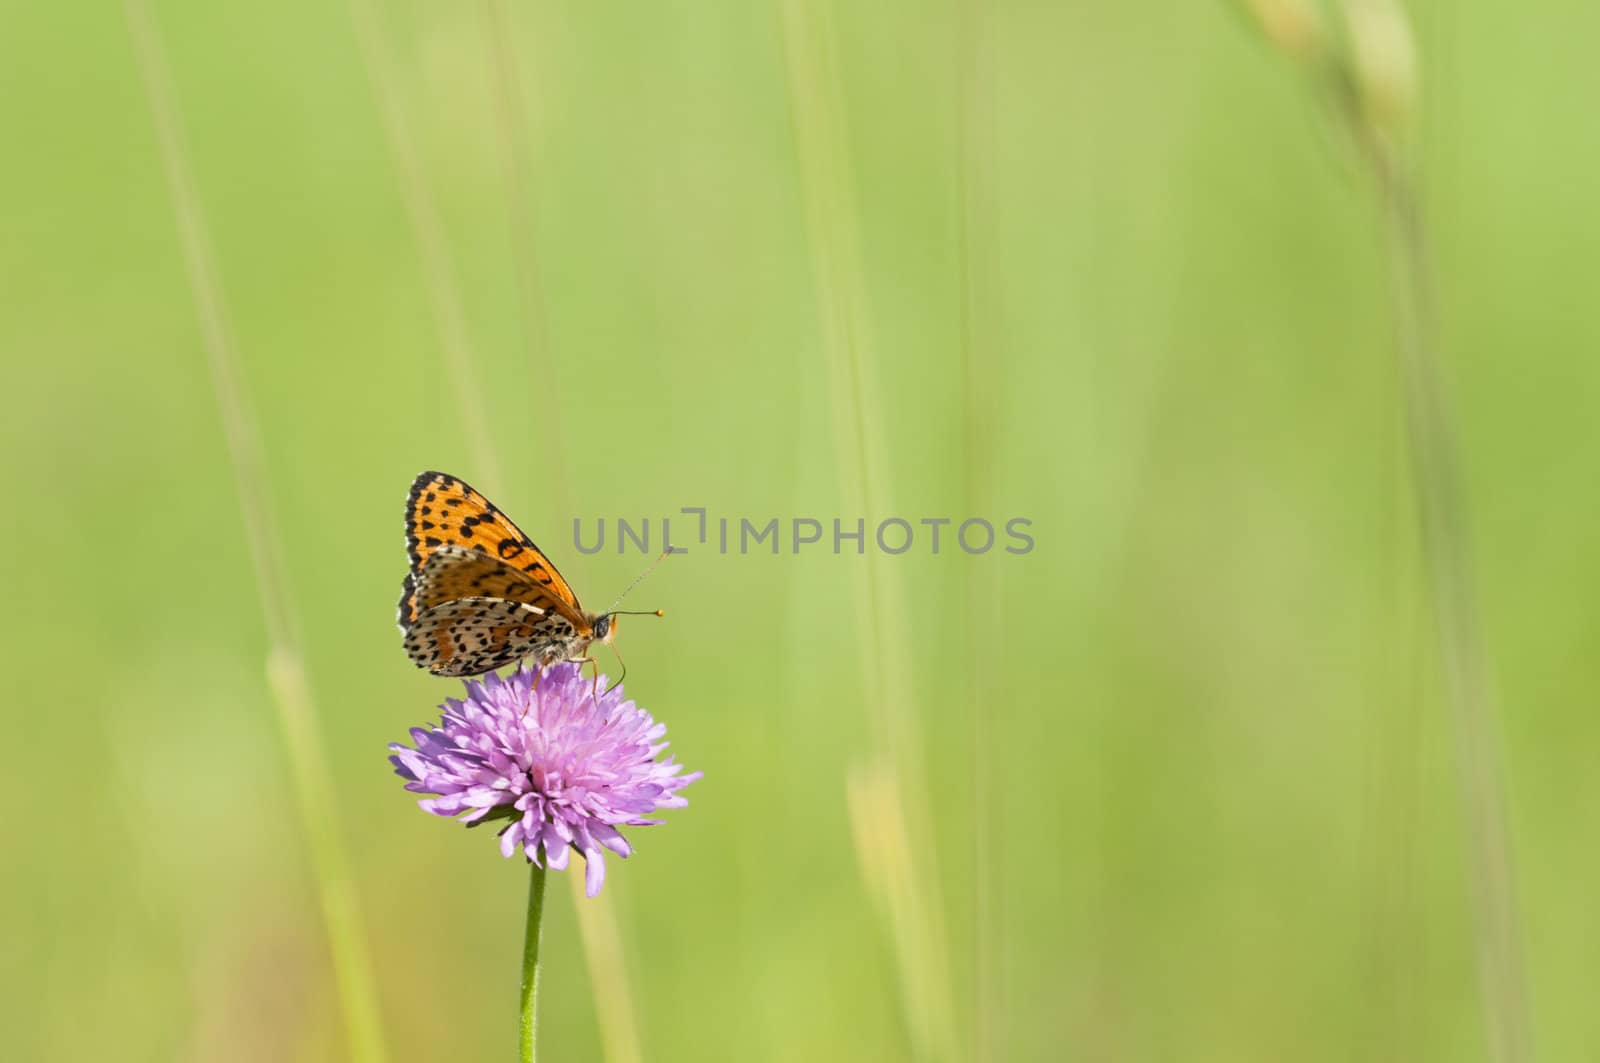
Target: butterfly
480,594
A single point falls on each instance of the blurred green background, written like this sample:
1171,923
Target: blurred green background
1191,783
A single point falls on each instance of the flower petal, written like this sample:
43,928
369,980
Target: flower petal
594,872
556,769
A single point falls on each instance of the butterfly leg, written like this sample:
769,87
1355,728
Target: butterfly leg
538,674
539,669
580,662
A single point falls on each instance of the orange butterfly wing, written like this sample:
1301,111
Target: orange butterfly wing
444,511
451,572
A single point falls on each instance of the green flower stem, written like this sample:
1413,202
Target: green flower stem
530,966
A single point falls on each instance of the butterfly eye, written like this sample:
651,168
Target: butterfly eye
602,626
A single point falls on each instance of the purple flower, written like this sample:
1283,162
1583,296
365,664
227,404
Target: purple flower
565,770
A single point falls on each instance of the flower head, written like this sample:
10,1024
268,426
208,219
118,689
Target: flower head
539,749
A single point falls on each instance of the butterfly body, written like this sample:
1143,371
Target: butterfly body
480,594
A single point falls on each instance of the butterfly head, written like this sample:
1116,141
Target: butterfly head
604,625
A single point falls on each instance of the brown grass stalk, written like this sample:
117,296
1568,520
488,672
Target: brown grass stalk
297,713
822,141
981,368
1366,72
427,228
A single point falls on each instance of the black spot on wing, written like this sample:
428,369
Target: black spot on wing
407,589
469,636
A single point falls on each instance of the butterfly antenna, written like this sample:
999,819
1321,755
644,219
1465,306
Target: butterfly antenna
640,579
